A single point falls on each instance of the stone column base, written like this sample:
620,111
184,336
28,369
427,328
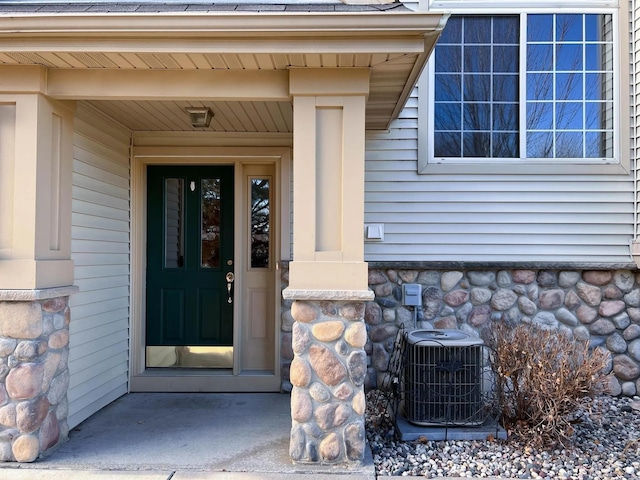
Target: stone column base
327,374
34,353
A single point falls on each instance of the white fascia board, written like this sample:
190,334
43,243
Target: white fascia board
221,24
208,2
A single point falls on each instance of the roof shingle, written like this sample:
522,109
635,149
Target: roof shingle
163,7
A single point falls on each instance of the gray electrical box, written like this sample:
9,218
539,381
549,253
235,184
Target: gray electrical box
412,294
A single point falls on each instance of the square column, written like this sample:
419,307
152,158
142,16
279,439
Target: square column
328,179
328,278
36,154
36,271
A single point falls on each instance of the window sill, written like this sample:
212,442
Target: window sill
504,168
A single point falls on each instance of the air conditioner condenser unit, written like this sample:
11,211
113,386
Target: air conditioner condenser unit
443,378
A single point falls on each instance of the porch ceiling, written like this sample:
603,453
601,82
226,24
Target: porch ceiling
249,117
391,41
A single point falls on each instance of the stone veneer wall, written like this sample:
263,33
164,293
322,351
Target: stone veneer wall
327,373
34,352
596,305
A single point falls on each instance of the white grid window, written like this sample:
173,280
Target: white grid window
524,86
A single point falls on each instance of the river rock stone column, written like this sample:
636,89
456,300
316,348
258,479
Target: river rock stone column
328,373
34,377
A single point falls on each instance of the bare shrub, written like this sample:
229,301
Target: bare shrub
541,377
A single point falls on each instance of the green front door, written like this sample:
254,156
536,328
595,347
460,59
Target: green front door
189,257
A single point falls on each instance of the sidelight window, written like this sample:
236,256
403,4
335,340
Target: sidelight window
260,222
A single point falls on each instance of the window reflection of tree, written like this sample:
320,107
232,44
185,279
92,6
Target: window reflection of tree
563,114
210,232
260,222
477,87
569,107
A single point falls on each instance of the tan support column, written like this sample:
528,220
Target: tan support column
36,154
328,275
328,183
36,271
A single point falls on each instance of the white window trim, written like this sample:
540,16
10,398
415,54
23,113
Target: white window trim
481,6
621,162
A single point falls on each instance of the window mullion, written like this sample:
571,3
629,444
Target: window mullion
584,87
522,69
554,85
492,79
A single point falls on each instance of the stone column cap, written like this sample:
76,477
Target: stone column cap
26,295
330,295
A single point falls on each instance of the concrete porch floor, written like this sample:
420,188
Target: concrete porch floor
184,436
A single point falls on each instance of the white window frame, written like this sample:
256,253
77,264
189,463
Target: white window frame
619,164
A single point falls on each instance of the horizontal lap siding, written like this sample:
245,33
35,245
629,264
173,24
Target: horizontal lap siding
635,100
486,218
99,344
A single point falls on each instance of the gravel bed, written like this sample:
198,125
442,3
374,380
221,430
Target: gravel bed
606,446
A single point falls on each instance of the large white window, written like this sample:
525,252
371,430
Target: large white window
525,89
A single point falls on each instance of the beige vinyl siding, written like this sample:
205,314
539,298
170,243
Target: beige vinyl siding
99,329
634,28
489,218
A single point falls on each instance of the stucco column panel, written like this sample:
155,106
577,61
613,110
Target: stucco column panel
36,154
328,278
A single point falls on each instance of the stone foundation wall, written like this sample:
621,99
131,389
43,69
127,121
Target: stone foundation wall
34,338
600,306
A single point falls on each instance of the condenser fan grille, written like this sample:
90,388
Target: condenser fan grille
443,379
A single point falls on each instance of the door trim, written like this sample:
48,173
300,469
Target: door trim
210,381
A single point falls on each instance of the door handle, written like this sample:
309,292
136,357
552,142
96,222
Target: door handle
230,277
